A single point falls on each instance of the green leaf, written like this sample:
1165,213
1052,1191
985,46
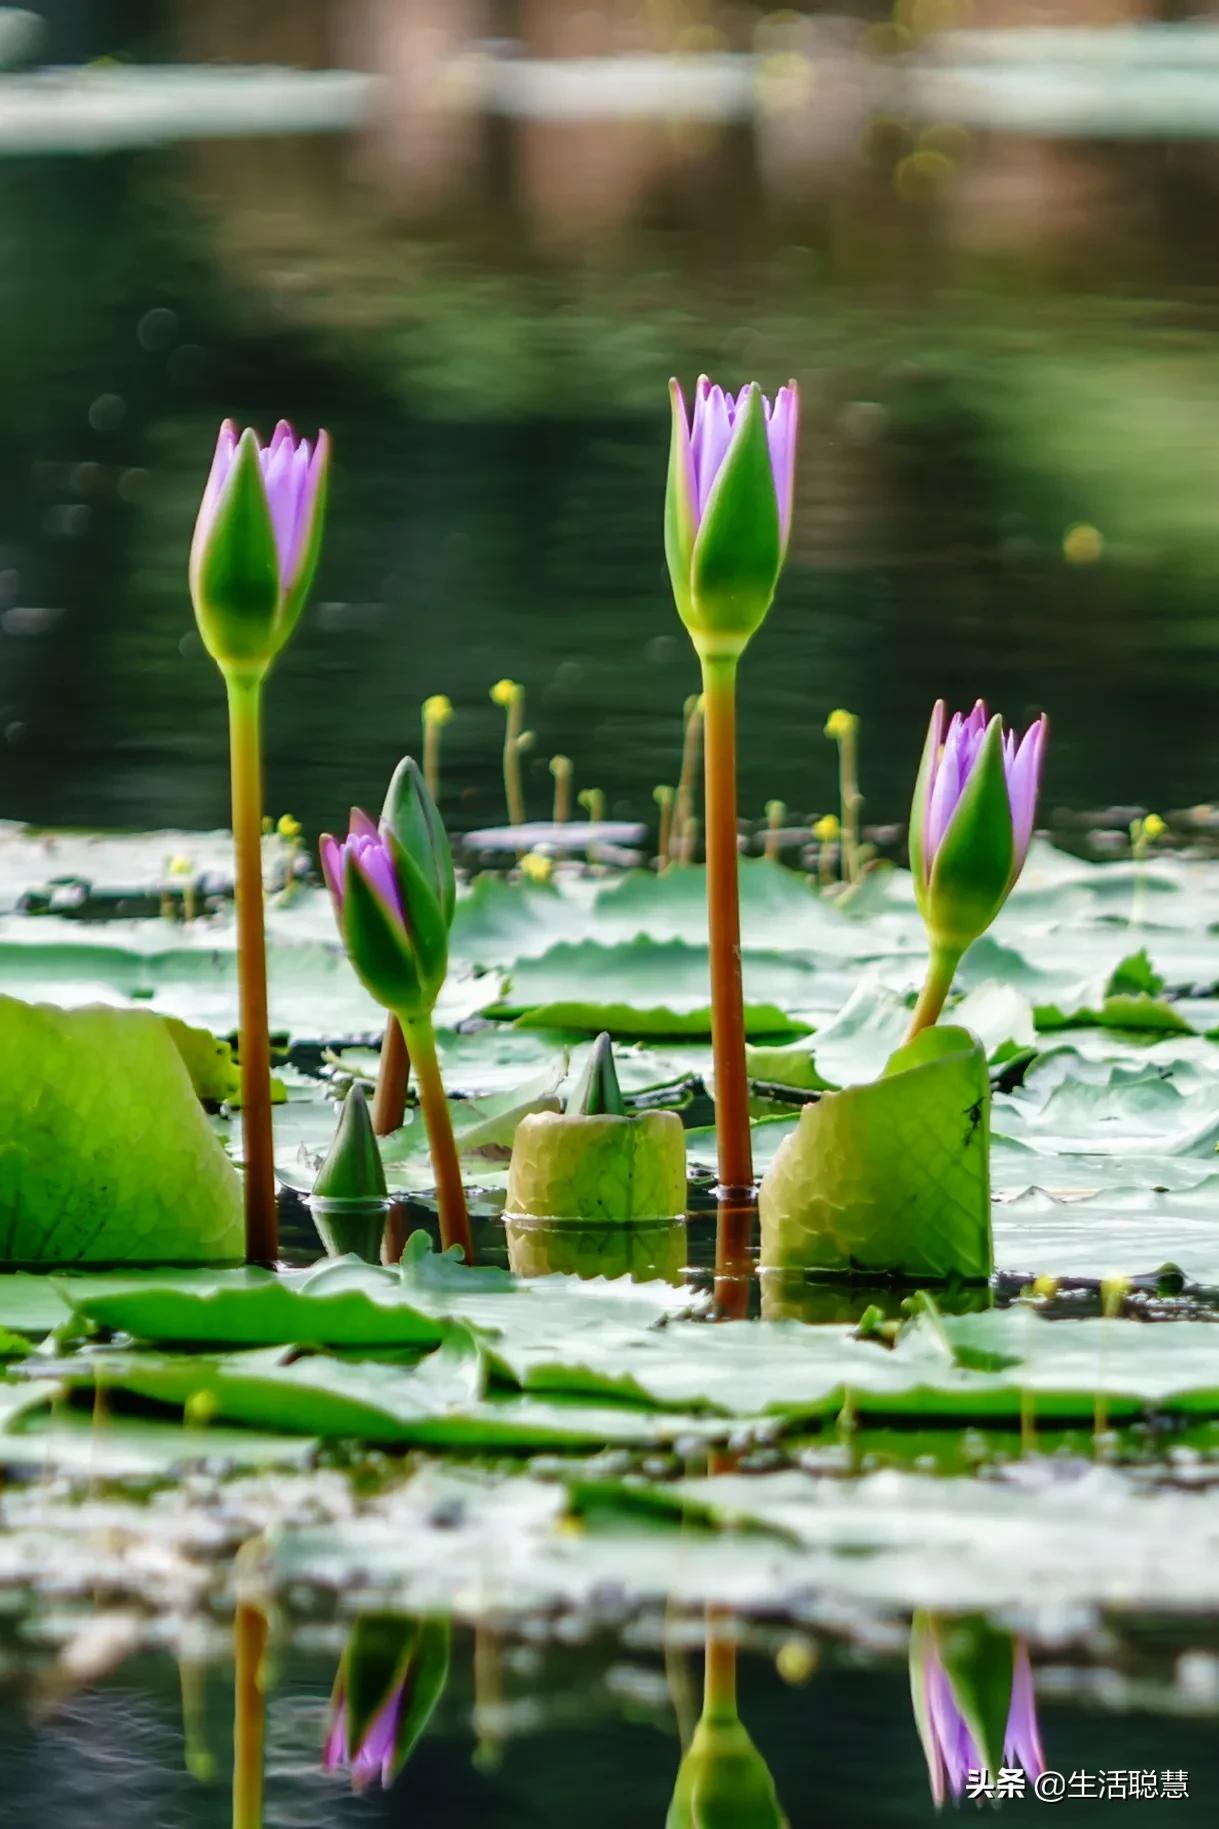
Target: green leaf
645,988
568,1166
105,1153
890,1177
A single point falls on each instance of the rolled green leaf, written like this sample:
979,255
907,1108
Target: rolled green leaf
890,1178
620,1169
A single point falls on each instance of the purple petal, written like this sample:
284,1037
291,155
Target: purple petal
781,430
334,1752
222,463
372,859
946,790
1023,780
1022,1742
333,866
374,1757
360,825
710,440
955,1744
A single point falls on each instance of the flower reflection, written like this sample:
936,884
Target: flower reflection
974,1704
389,1680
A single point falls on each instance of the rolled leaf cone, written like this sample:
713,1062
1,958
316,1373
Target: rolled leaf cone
349,1197
618,1169
891,1178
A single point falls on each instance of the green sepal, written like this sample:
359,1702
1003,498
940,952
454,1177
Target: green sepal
427,927
386,1652
724,1782
353,1169
738,549
234,571
681,506
918,806
296,589
412,816
971,872
979,1661
597,1093
379,948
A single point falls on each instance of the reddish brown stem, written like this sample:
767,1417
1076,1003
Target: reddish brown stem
245,741
735,1155
450,1193
393,1078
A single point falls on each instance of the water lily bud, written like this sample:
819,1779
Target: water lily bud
438,710
728,509
841,724
389,915
723,1781
972,1687
353,1169
256,543
971,821
391,1676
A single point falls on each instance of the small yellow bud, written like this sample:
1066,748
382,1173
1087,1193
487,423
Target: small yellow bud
1153,826
505,692
536,867
438,709
181,866
287,827
776,810
560,765
1045,1286
827,830
796,1660
841,724
663,795
1082,544
199,1409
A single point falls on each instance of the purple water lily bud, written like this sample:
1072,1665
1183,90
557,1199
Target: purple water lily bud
950,1705
256,542
728,508
366,849
972,820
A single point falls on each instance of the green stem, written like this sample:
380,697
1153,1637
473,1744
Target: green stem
450,1193
245,744
513,726
941,970
848,786
735,1157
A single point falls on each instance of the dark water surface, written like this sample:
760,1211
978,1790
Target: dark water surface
500,423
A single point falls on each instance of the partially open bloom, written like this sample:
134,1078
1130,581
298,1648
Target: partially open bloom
391,1676
257,539
972,1687
728,508
972,820
394,895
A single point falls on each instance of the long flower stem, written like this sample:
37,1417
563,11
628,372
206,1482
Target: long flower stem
851,799
431,756
513,794
941,970
719,1671
245,744
249,1714
735,1157
393,1078
450,1194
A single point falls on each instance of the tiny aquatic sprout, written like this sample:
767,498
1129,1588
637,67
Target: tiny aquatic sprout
391,1676
728,510
252,560
511,696
972,1687
257,539
562,770
842,728
394,896
970,827
536,867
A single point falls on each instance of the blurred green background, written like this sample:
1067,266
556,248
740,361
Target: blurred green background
987,255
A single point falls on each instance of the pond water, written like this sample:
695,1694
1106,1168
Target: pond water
500,421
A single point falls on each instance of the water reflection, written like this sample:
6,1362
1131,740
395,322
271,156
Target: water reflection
392,1674
972,1685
